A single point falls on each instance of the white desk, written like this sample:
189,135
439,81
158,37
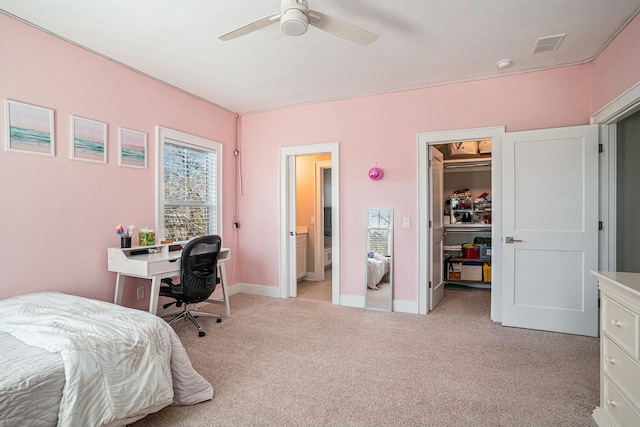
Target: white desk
156,265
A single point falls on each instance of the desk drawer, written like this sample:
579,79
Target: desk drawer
164,266
618,407
619,366
621,324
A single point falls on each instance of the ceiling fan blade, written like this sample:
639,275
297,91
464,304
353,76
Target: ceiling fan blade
249,28
341,28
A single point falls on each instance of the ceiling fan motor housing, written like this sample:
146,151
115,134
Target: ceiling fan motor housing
293,20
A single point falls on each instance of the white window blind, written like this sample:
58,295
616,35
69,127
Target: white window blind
190,180
380,232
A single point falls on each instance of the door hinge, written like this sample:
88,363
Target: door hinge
600,226
600,148
429,284
430,224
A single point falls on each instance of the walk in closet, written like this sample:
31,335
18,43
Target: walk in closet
467,214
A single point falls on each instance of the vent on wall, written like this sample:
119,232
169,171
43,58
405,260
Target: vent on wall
547,44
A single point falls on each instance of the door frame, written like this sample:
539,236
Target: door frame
287,214
424,252
607,117
318,254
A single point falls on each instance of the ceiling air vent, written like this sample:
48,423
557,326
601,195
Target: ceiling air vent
547,44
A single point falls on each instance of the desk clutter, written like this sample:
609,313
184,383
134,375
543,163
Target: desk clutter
125,235
146,237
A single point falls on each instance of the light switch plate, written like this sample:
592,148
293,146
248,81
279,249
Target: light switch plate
406,222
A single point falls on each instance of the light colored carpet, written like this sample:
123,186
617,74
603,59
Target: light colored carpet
295,362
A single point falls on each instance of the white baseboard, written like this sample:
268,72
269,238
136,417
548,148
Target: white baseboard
402,306
352,301
246,288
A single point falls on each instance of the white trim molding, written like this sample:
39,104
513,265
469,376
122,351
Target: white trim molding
619,108
286,162
494,134
260,290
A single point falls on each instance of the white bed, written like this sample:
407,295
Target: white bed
377,267
72,361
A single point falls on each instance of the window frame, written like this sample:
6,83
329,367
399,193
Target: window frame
190,141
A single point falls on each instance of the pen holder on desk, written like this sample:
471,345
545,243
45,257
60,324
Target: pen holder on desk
125,242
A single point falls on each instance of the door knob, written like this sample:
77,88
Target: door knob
291,233
510,240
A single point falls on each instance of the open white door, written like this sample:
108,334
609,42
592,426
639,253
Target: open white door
550,229
436,229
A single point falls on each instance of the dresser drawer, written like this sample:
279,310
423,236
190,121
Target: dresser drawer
619,366
618,407
621,324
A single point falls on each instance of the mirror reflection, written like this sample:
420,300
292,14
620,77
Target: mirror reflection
379,259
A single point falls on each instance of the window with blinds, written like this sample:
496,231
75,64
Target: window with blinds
190,189
379,228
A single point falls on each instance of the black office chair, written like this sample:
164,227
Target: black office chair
198,279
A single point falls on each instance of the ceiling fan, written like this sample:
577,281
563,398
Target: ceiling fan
295,17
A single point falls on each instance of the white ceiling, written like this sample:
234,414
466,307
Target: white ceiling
421,43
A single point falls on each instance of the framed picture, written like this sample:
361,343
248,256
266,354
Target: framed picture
133,148
28,129
88,140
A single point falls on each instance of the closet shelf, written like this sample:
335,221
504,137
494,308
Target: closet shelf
467,227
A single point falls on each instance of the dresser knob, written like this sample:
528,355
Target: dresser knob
615,323
610,360
611,402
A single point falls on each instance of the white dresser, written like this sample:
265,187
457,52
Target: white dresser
619,349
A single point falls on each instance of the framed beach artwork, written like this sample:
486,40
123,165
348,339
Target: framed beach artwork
28,129
88,140
133,148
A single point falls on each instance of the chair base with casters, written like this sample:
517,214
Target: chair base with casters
185,314
191,315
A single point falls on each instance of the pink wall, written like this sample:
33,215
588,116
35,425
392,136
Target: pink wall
617,68
383,129
59,215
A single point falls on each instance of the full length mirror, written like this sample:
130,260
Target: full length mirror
379,261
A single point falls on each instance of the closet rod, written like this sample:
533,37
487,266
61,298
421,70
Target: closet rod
465,165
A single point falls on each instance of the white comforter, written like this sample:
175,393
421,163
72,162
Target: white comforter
120,364
377,267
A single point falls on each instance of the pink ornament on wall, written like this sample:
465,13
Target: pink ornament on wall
375,173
